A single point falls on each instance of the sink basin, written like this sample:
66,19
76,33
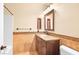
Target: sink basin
43,35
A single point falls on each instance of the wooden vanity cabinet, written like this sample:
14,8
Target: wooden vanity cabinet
47,47
40,46
52,47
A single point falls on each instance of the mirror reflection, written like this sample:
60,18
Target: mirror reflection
49,21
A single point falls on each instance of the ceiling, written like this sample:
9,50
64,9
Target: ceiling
27,8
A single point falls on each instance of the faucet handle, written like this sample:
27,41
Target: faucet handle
2,47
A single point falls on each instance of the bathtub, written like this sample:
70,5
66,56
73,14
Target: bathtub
6,51
64,50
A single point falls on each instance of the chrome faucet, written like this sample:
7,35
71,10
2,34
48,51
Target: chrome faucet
2,47
46,31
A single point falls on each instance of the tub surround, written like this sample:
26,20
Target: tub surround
67,51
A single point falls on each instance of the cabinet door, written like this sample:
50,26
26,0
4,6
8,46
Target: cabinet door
43,47
52,47
40,46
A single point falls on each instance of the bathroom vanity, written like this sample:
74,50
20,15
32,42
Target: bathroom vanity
47,45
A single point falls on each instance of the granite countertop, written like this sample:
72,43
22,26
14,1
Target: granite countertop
47,37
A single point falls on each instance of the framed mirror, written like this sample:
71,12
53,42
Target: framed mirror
49,21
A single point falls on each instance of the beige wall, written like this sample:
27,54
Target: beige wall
24,21
25,16
66,18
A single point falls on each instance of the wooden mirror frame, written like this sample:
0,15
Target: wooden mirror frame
45,23
38,24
